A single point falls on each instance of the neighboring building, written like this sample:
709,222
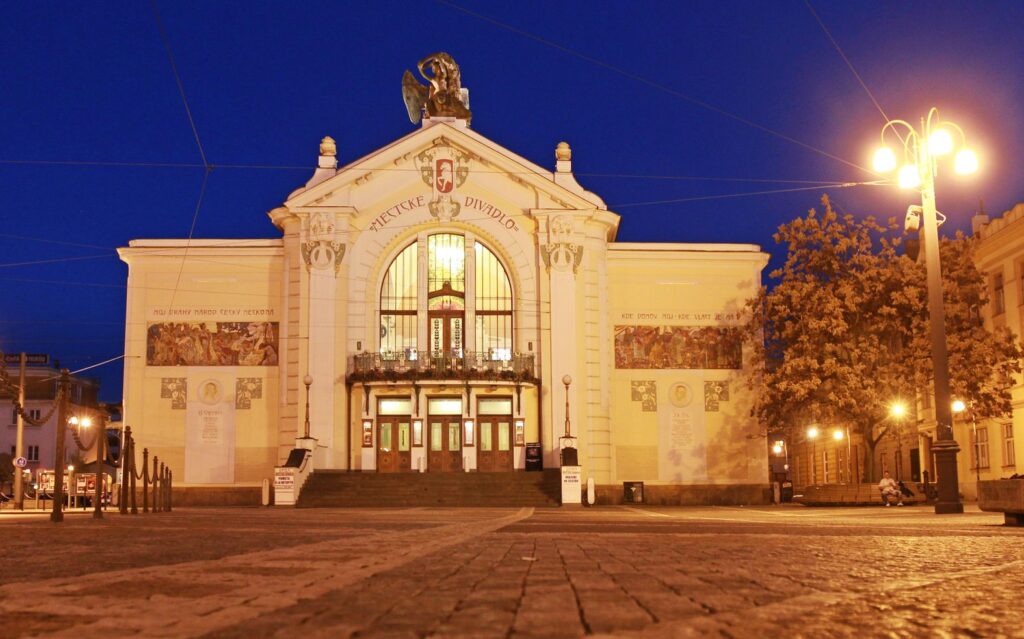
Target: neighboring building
40,442
434,293
994,448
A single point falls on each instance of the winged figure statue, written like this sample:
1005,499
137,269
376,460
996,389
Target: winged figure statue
442,96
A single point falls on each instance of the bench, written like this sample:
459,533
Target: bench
853,495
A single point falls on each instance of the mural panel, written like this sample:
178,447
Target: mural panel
678,347
212,344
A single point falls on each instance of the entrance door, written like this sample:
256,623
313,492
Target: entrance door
494,454
445,443
393,439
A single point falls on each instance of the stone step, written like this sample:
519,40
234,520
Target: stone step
359,489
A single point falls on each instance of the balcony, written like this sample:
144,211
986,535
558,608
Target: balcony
417,366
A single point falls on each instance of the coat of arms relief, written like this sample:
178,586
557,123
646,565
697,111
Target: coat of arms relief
320,250
444,169
562,252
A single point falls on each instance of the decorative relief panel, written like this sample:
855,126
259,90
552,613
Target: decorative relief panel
320,250
645,392
715,392
562,252
246,390
174,389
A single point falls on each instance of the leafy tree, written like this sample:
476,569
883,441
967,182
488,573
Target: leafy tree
844,333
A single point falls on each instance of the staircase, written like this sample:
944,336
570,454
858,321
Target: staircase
339,488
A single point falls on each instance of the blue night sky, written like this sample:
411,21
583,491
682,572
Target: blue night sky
623,83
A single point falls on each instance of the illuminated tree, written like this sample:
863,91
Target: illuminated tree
844,332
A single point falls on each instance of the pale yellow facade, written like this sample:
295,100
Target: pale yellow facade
435,293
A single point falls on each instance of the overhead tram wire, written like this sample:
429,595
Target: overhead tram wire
850,66
207,167
292,167
652,83
748,193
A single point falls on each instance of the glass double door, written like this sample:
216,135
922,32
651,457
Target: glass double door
446,333
394,453
494,454
444,443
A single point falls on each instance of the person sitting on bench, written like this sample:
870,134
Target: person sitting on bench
889,488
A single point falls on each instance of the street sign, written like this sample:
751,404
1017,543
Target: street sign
21,462
30,358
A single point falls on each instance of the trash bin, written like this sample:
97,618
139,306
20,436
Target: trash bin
787,492
570,457
534,457
633,492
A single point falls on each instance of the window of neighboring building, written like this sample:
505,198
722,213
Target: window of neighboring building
33,453
31,413
980,447
1009,456
998,295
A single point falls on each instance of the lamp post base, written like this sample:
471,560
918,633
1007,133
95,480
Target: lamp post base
948,484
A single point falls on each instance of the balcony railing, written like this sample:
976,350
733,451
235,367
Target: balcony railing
423,365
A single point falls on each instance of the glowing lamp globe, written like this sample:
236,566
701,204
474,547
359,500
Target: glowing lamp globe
908,177
959,406
812,432
885,160
777,449
940,142
965,162
898,410
837,435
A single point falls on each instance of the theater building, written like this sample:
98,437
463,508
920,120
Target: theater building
442,305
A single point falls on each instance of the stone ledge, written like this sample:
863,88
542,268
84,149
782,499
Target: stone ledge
691,495
1003,496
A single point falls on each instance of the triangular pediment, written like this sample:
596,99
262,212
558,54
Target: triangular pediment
395,166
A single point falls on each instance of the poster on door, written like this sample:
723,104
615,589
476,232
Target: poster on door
682,445
210,429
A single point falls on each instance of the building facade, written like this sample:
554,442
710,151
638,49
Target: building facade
994,448
443,304
40,442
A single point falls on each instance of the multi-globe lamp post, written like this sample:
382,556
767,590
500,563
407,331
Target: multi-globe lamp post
921,150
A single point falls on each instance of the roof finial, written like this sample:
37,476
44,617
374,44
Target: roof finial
563,157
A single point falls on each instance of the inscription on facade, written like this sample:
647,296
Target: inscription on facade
419,205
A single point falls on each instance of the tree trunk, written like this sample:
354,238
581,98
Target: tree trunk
869,461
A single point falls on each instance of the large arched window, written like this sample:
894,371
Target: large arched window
444,279
493,306
398,304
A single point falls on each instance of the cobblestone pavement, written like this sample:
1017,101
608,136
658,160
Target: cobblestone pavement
425,572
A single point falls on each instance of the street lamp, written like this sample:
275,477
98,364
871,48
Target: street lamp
308,381
812,434
566,379
898,411
959,407
921,148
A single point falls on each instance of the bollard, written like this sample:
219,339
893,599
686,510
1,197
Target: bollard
156,484
126,448
170,488
163,487
131,479
101,458
145,479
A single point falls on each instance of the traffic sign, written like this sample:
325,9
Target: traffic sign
21,462
30,358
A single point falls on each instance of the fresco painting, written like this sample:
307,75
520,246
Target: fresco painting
678,347
212,344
